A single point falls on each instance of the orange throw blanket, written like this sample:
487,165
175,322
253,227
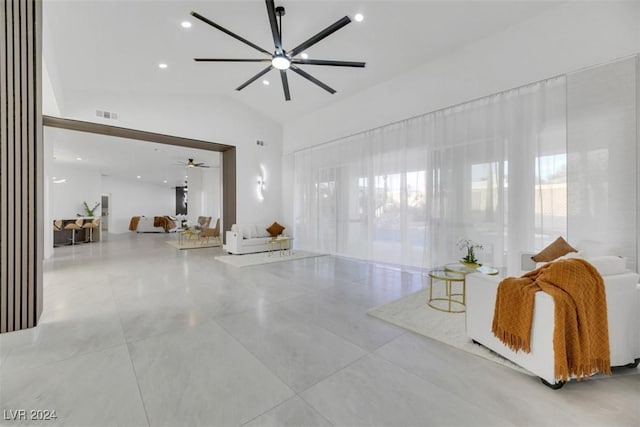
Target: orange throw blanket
164,222
133,225
581,332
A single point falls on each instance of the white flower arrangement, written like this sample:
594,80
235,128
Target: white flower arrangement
470,246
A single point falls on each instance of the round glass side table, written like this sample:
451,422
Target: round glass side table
453,300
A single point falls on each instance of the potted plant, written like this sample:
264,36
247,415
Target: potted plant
469,246
90,211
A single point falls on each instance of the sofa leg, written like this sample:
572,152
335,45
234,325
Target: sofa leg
554,386
633,364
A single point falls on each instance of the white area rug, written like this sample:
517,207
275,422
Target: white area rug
192,244
413,313
247,260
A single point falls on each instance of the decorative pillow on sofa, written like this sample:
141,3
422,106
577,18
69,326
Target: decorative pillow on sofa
261,231
275,229
248,231
609,264
592,248
555,250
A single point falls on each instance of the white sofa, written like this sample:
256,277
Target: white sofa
623,309
249,238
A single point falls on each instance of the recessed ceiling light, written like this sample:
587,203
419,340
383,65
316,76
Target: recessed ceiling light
138,177
165,181
185,24
265,82
186,176
162,65
78,158
304,55
358,17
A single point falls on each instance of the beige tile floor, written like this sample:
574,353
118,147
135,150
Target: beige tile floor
135,332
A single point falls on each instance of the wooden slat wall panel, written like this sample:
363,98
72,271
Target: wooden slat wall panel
4,125
36,162
21,165
228,190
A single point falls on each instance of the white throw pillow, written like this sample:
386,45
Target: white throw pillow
245,230
609,264
592,248
262,231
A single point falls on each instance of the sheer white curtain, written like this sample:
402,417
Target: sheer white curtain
604,179
492,170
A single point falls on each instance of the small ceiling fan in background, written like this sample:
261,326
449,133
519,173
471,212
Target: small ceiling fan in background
282,59
192,164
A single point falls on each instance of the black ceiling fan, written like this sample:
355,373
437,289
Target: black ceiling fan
282,59
192,164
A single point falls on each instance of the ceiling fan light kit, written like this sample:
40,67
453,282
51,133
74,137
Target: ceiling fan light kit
281,62
281,59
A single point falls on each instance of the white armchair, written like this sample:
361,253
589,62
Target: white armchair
623,309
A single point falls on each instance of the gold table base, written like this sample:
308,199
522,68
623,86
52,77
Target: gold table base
453,304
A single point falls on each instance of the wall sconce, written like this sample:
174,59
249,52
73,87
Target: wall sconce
261,183
259,189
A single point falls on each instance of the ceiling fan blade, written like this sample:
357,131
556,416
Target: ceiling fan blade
312,79
285,85
271,11
224,30
321,35
329,62
254,78
229,60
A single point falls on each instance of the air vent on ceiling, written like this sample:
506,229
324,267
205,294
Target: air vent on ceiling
107,114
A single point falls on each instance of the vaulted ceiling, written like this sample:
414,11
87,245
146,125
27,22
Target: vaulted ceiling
114,47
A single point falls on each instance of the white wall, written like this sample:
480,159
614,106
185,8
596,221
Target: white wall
210,118
129,198
47,199
212,190
49,102
564,39
81,185
64,200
